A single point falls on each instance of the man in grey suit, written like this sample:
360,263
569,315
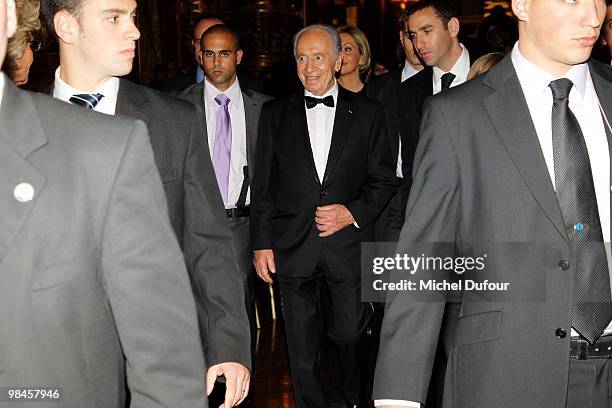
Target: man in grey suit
220,53
94,286
521,155
97,40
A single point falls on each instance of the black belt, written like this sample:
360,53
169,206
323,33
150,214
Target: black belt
582,350
237,212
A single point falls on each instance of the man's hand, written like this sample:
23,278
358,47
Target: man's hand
332,218
237,379
263,260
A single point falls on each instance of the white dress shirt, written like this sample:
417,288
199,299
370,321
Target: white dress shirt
320,120
460,69
584,104
238,154
109,89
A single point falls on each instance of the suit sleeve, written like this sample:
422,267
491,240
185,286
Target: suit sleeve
412,324
262,188
148,287
379,186
218,284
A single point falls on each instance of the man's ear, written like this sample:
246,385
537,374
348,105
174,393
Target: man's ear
520,9
66,27
338,64
239,55
401,36
453,27
11,18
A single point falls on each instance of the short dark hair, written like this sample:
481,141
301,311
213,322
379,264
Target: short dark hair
608,3
443,8
51,7
222,29
403,19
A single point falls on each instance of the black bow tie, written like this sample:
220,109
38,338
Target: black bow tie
312,102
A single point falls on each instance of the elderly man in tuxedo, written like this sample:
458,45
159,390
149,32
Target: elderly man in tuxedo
516,161
323,175
94,286
97,40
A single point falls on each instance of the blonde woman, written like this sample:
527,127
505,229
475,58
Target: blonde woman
21,47
356,58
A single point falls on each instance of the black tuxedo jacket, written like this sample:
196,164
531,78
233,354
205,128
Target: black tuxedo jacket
197,216
286,189
412,95
386,88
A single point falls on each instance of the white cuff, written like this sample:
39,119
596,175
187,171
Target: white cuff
398,403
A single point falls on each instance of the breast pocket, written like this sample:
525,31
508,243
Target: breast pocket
65,272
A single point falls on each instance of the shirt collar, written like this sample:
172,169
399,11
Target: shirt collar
211,92
63,91
535,80
408,71
460,69
333,91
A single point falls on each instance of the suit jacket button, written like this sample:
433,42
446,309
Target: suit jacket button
564,265
324,193
560,333
23,192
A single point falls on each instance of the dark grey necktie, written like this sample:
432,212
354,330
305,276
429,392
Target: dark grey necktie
591,306
447,80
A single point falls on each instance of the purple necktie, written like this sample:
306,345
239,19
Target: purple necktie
223,145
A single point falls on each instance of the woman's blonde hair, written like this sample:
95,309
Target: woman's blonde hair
484,63
362,43
28,24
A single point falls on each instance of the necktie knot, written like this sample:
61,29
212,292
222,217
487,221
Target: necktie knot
561,88
312,102
87,100
447,80
222,100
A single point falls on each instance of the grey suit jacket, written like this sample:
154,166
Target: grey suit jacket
93,280
481,183
183,161
252,108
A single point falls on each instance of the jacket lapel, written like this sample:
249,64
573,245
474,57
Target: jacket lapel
510,115
297,113
17,142
132,103
343,121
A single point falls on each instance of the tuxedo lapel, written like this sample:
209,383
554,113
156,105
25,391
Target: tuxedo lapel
17,142
510,115
343,121
297,112
132,103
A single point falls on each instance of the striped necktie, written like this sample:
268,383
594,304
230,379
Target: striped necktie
87,100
